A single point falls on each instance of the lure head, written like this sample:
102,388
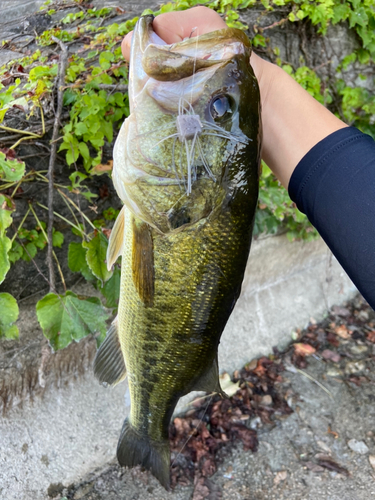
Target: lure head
193,136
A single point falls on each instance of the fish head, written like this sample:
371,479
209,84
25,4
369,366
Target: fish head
194,123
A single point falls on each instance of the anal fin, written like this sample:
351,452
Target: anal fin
109,363
209,381
116,239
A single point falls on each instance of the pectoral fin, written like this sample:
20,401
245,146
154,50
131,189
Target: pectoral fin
209,381
116,239
143,262
109,363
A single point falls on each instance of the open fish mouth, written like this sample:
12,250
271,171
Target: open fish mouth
178,127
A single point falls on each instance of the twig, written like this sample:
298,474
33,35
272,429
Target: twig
316,382
11,138
273,25
53,253
77,208
77,228
101,86
60,84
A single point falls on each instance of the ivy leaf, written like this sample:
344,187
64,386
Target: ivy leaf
76,257
84,150
111,289
65,318
29,252
105,59
76,178
40,241
5,245
70,96
15,253
57,239
81,128
96,256
11,169
72,155
6,209
77,260
358,16
9,314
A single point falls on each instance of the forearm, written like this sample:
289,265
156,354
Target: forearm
293,121
334,186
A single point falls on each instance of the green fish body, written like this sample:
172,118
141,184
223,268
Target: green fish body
186,166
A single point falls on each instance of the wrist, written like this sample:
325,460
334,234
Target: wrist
292,120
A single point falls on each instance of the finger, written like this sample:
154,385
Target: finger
125,46
173,27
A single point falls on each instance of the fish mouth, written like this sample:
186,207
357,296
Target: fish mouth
182,59
151,56
171,153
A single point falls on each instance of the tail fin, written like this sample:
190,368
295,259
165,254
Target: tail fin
133,449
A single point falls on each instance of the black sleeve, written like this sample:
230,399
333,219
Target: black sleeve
334,185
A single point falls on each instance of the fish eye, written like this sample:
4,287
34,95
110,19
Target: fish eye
221,106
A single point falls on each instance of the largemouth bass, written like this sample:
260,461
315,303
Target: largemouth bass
186,165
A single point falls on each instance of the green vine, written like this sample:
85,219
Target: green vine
95,103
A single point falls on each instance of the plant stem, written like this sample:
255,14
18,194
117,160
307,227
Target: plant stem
60,83
77,208
53,253
65,220
21,224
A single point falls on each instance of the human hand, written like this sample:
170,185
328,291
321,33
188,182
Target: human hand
175,26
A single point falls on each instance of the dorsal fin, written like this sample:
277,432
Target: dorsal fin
116,239
143,262
109,364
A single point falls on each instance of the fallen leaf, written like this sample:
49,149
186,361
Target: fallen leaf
229,387
343,332
323,446
371,459
103,191
341,311
252,365
332,339
304,349
266,400
314,467
280,476
331,355
107,232
330,464
102,168
201,491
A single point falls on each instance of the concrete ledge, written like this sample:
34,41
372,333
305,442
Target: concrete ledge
285,285
71,428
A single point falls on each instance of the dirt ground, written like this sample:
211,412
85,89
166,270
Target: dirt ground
307,413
